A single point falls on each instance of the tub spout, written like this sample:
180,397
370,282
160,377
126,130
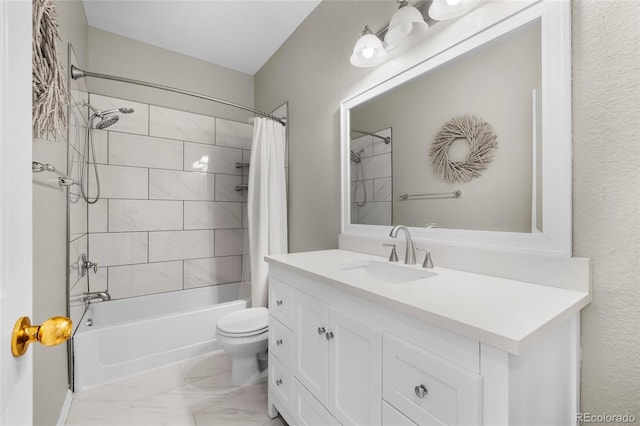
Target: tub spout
89,296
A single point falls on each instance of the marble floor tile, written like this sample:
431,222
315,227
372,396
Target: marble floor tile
195,392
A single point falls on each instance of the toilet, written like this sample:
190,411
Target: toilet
243,334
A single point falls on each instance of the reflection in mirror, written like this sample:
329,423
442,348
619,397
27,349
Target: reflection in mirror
499,82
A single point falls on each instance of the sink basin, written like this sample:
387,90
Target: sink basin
388,272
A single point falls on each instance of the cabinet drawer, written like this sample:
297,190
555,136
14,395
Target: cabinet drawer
281,302
307,410
281,341
393,417
428,389
281,383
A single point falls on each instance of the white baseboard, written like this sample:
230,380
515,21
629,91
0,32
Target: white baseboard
66,406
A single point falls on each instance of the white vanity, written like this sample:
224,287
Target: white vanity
356,340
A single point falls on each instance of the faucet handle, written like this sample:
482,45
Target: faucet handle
428,262
393,257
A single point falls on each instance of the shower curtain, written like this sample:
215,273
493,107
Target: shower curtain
267,203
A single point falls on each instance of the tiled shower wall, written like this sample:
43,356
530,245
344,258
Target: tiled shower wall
169,217
371,182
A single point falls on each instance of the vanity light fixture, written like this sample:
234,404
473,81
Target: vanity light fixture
441,10
406,22
368,51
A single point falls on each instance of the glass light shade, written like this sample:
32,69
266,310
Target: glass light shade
441,10
407,21
368,51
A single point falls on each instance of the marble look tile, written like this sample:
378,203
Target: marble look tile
362,143
382,189
378,166
100,139
234,133
226,188
178,245
375,213
123,248
144,215
149,278
98,216
161,415
144,151
212,271
200,157
248,408
212,215
186,126
229,242
121,182
136,122
205,366
379,146
96,412
174,185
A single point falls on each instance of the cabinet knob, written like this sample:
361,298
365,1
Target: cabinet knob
279,342
329,335
321,330
279,302
278,382
421,391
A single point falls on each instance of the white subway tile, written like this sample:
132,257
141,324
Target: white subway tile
212,271
136,122
177,245
120,182
233,133
226,188
122,248
211,215
376,213
100,138
174,124
99,280
211,159
150,278
378,166
98,216
144,215
77,217
174,185
229,242
382,189
362,143
144,151
76,248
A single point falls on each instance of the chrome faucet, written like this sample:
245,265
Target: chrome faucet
86,297
410,251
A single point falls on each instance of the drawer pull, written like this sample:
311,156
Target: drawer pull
321,330
279,342
278,382
329,335
279,302
421,391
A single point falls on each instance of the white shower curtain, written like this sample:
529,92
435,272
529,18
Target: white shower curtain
267,203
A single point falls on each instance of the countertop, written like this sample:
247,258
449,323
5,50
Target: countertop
507,314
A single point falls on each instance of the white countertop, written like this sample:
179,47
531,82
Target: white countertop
503,313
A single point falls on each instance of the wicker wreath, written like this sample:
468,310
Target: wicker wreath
483,143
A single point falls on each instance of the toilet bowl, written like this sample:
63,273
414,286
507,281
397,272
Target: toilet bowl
243,334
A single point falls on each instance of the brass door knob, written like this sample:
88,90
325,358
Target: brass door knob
52,332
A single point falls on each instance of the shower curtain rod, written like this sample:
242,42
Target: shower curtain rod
77,73
386,139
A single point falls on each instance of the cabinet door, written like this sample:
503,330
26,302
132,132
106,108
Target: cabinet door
310,360
307,411
355,384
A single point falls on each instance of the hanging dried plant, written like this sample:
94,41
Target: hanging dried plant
49,91
483,144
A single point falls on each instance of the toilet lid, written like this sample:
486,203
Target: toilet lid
244,321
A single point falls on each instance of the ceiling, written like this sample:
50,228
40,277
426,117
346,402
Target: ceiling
237,34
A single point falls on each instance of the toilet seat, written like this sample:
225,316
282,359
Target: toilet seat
244,323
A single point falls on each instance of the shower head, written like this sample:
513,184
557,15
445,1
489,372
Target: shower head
107,121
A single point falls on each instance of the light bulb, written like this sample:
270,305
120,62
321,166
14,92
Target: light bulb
367,52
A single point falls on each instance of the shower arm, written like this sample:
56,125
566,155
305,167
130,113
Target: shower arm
77,73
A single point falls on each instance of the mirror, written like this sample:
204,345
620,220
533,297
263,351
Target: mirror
505,184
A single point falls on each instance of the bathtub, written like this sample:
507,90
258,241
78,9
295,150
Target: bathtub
128,336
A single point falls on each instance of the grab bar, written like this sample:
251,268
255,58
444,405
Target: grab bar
454,194
63,180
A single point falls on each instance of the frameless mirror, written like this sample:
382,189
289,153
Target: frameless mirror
498,107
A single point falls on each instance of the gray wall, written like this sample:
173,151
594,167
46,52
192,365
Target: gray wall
50,240
312,72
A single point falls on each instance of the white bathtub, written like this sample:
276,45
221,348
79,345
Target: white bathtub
132,335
